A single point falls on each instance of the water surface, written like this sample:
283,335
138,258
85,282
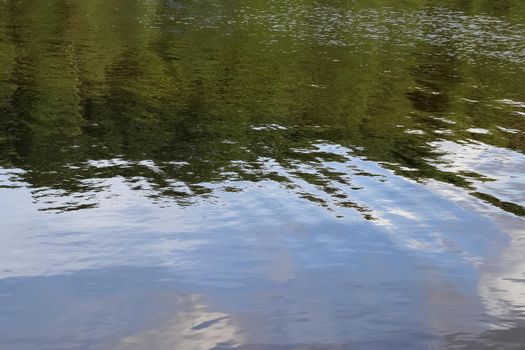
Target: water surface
262,174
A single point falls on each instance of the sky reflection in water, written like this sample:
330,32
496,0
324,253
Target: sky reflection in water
304,175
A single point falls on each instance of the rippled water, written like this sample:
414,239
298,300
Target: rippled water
262,175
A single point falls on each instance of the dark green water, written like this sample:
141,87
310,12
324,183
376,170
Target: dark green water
256,174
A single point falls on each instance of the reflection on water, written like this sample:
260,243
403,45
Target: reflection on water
262,175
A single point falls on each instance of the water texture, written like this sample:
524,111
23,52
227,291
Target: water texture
257,175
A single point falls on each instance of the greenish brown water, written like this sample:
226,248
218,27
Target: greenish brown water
262,175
